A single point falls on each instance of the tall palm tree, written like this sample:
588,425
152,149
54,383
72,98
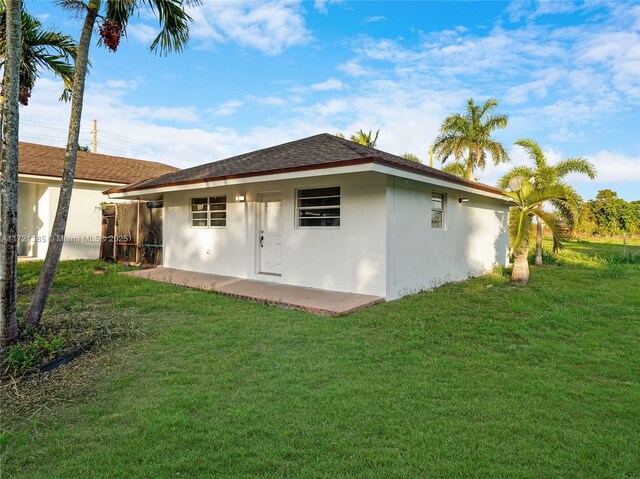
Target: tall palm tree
114,15
543,175
456,168
41,50
527,202
467,137
362,138
9,177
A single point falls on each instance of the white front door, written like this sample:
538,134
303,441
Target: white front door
269,234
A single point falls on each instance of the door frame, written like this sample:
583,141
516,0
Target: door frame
259,218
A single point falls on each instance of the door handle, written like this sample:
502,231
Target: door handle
261,239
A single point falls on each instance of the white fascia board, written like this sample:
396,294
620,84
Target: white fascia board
37,178
435,181
249,179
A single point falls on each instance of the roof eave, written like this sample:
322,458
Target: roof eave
127,191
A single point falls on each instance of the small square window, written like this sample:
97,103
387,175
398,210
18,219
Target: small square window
318,207
438,201
209,212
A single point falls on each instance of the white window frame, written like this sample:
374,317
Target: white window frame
443,210
208,211
297,208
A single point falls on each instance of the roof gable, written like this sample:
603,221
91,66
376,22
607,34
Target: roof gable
315,152
42,160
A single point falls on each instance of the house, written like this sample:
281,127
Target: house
325,212
39,172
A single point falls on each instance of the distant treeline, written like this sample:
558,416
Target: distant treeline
609,215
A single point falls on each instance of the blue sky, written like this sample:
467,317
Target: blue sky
261,73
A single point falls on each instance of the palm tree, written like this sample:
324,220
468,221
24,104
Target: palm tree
9,176
41,50
456,168
362,138
467,137
412,157
173,37
527,202
545,175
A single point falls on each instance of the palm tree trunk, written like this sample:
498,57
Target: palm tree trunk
56,242
468,174
539,243
520,272
9,177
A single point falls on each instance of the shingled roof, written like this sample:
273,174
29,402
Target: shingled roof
42,160
315,152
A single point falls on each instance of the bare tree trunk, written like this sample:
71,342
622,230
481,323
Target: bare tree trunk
520,272
56,242
539,243
9,176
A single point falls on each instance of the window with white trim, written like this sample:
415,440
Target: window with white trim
318,207
438,202
210,211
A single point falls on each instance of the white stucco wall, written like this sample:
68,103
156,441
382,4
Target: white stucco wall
37,203
350,258
475,237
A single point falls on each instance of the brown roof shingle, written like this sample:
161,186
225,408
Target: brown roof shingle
314,152
42,160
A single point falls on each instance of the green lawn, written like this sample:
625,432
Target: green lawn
474,379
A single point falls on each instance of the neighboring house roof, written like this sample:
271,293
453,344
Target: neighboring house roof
42,160
315,152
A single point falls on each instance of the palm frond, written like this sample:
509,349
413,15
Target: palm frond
558,229
497,151
495,122
533,150
487,106
534,197
520,222
174,22
576,165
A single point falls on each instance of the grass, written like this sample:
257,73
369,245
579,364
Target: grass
474,379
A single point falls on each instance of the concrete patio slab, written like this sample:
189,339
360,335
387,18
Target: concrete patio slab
312,300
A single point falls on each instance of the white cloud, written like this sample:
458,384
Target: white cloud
374,19
322,5
227,108
330,84
537,88
354,68
269,27
528,10
142,32
121,84
612,166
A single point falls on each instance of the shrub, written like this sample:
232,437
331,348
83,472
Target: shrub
32,351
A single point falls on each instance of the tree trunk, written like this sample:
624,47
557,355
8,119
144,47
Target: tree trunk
539,243
56,240
520,272
468,173
9,176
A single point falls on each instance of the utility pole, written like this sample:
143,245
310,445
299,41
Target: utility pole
431,155
94,149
